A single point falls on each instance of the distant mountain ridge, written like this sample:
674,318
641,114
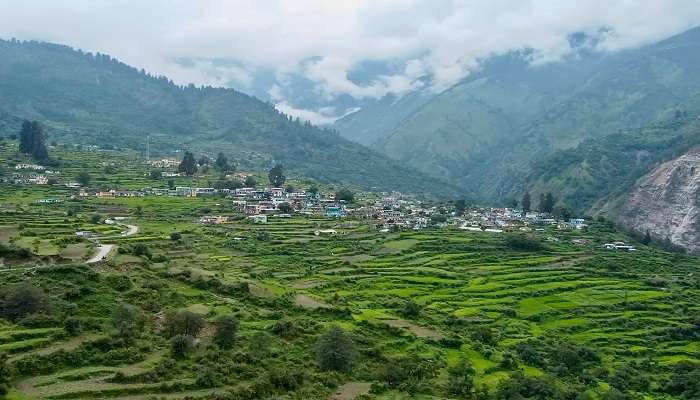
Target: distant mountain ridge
487,133
95,99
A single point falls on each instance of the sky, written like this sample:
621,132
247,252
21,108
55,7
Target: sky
322,59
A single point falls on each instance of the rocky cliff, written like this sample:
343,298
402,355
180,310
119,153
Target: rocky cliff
666,202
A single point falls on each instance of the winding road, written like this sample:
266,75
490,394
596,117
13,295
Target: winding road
104,249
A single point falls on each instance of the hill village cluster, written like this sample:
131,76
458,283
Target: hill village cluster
389,211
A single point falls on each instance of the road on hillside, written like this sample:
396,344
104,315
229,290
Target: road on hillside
104,249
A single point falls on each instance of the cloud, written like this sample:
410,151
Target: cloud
325,40
322,116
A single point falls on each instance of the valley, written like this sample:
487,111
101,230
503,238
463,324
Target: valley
557,310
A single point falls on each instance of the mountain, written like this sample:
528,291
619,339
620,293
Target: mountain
95,99
599,173
487,132
666,202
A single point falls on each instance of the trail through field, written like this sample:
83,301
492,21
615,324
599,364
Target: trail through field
68,345
102,251
309,303
351,390
419,331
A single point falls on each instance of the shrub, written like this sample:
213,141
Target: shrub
174,236
522,242
128,321
180,346
21,300
183,323
226,329
335,350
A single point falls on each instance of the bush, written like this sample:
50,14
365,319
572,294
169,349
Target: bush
183,323
522,242
128,321
21,300
180,346
14,252
335,350
226,329
175,236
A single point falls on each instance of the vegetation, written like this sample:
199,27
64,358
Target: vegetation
259,311
32,141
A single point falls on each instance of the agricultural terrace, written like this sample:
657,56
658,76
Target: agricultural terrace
566,319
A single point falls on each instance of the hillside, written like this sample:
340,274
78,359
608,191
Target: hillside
95,99
666,202
593,175
485,132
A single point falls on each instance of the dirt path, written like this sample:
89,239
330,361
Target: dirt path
309,303
419,331
350,390
102,251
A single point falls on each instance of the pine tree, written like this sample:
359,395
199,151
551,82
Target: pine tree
335,350
222,162
547,203
276,176
32,141
526,202
188,165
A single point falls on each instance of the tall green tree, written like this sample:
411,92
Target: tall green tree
32,141
460,206
127,321
460,379
548,203
276,176
526,202
83,178
226,329
188,165
335,350
222,163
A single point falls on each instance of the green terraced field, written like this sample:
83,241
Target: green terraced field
473,297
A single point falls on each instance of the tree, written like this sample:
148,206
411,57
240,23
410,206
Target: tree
411,309
32,141
222,162
226,329
523,242
313,189
183,323
203,160
276,176
285,208
250,181
290,189
188,165
21,300
180,346
547,203
83,178
95,218
514,204
460,379
175,236
156,175
646,240
460,206
526,202
4,376
127,321
335,350
345,194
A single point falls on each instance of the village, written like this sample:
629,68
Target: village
385,212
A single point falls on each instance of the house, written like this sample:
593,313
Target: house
258,219
334,212
34,167
49,201
39,180
213,220
72,185
276,192
252,209
577,223
107,195
324,232
619,246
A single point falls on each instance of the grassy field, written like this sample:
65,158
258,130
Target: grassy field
578,320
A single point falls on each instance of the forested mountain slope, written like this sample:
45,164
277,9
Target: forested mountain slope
95,99
486,132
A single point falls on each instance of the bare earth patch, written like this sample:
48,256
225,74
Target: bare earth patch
309,303
420,331
308,284
351,390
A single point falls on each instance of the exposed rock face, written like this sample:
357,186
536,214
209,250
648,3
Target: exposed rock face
666,202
